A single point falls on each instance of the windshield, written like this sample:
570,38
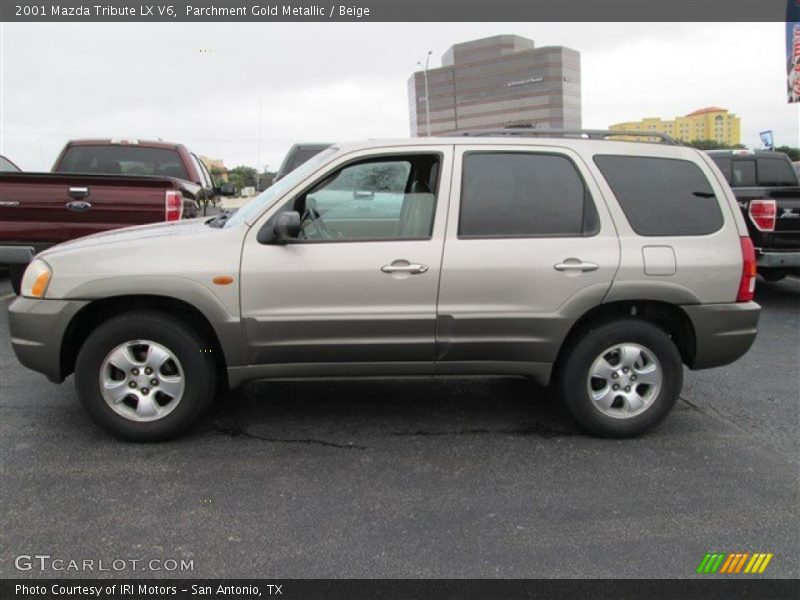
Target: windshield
253,209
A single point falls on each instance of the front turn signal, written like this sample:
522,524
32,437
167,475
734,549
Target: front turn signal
36,279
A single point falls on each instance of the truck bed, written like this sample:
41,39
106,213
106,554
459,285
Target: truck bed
42,209
786,235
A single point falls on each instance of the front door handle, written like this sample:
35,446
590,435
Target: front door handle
574,264
412,268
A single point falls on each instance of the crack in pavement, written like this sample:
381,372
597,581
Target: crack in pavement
711,411
714,413
239,432
534,429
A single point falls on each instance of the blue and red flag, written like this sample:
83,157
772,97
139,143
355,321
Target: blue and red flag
793,50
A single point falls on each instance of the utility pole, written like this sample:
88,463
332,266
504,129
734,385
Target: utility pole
260,114
427,93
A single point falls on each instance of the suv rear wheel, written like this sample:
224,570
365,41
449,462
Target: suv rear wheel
622,378
145,376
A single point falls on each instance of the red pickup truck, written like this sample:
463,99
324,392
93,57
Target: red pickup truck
97,185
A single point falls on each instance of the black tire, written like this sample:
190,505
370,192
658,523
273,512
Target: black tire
573,376
772,275
191,350
15,273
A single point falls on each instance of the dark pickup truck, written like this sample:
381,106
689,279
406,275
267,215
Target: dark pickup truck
767,189
97,185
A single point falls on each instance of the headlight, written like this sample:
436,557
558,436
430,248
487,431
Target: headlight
36,278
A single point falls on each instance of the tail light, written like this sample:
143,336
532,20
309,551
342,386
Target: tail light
763,213
173,206
747,286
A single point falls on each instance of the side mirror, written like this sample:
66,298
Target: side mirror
286,229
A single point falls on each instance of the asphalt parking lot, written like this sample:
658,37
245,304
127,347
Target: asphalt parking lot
446,478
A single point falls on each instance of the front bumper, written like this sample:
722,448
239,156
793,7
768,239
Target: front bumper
723,332
777,260
37,331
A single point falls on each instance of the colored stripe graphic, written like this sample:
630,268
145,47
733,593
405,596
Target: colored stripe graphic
751,564
740,564
734,562
701,568
714,564
764,564
728,562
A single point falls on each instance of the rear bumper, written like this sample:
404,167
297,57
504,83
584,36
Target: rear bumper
37,330
723,332
777,260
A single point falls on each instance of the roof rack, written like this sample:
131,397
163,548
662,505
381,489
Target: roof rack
586,134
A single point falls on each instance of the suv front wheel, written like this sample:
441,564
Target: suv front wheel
145,376
622,378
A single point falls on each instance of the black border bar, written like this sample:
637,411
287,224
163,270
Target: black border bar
712,588
599,11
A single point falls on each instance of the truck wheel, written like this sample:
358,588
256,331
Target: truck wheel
772,276
145,376
622,378
15,273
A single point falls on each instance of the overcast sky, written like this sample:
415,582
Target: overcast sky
342,81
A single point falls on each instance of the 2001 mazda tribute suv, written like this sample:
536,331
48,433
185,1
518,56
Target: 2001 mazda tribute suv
601,265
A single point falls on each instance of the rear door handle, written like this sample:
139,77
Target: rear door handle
414,269
574,264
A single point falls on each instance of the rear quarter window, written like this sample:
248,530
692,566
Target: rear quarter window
662,196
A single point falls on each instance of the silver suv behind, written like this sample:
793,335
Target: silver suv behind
601,265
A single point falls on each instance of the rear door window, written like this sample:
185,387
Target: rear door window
524,194
660,196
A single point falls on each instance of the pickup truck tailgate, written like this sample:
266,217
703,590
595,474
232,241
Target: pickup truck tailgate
787,217
786,234
55,207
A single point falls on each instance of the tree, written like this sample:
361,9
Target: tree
217,175
243,177
793,152
265,179
713,145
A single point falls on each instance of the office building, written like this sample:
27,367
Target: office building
498,82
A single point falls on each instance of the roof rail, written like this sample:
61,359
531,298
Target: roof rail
587,134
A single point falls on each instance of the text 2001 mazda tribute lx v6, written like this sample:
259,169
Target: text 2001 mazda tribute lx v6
601,265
